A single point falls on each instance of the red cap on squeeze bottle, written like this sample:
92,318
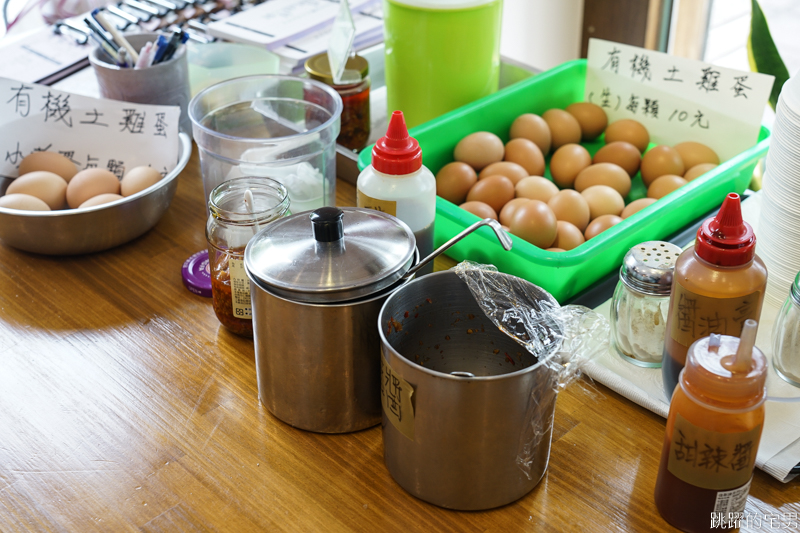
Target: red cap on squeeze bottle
397,153
726,240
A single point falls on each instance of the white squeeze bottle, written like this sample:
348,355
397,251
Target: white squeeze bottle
397,183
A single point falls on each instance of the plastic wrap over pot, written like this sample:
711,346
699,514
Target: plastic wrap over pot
572,335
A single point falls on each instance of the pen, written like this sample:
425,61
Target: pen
161,47
106,47
144,53
123,58
122,41
101,33
174,48
168,50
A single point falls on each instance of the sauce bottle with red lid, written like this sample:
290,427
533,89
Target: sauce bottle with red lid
713,431
399,184
717,284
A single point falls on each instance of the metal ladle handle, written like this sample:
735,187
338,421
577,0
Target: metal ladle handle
502,236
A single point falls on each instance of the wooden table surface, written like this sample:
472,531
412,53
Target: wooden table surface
125,406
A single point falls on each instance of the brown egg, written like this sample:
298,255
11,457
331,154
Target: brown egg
479,149
664,185
495,191
138,179
620,153
46,186
570,206
526,154
507,213
603,200
567,162
556,250
535,223
604,174
600,224
511,170
454,181
698,170
534,128
568,236
89,183
479,209
23,202
693,154
536,188
49,162
636,206
101,199
564,128
629,131
591,117
661,160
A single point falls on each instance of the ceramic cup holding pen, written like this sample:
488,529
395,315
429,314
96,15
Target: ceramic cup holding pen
163,83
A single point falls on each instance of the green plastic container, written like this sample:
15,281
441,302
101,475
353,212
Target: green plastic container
564,274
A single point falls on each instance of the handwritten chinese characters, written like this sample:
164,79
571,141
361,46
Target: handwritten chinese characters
709,459
92,133
677,99
699,316
396,396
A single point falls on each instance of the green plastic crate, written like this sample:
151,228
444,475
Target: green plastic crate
563,274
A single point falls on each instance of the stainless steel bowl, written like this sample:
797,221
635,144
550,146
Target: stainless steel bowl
92,229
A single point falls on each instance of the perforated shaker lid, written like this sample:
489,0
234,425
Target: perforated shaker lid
330,254
648,267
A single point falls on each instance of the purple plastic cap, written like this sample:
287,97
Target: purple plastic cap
197,275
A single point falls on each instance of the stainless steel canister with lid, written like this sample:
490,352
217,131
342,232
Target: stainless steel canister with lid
317,282
641,302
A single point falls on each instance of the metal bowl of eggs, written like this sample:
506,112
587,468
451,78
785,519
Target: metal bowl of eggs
87,228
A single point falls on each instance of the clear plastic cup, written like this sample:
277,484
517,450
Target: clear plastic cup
279,127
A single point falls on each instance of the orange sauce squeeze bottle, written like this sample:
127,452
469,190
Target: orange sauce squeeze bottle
712,435
717,284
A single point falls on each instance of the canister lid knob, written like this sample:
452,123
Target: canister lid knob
327,223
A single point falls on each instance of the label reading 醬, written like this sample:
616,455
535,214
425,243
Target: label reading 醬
712,460
240,289
699,316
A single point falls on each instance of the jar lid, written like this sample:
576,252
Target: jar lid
319,68
330,254
648,267
197,275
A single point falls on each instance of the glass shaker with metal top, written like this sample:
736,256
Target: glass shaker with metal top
786,337
641,302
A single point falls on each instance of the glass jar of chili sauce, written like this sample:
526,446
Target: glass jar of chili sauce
354,91
238,209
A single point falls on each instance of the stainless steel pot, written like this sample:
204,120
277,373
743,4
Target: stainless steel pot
468,412
317,364
317,284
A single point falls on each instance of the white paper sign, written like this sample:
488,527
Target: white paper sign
678,99
91,132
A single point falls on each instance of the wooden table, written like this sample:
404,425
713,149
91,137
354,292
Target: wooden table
125,406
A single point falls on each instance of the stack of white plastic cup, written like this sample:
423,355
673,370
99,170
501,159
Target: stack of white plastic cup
779,226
